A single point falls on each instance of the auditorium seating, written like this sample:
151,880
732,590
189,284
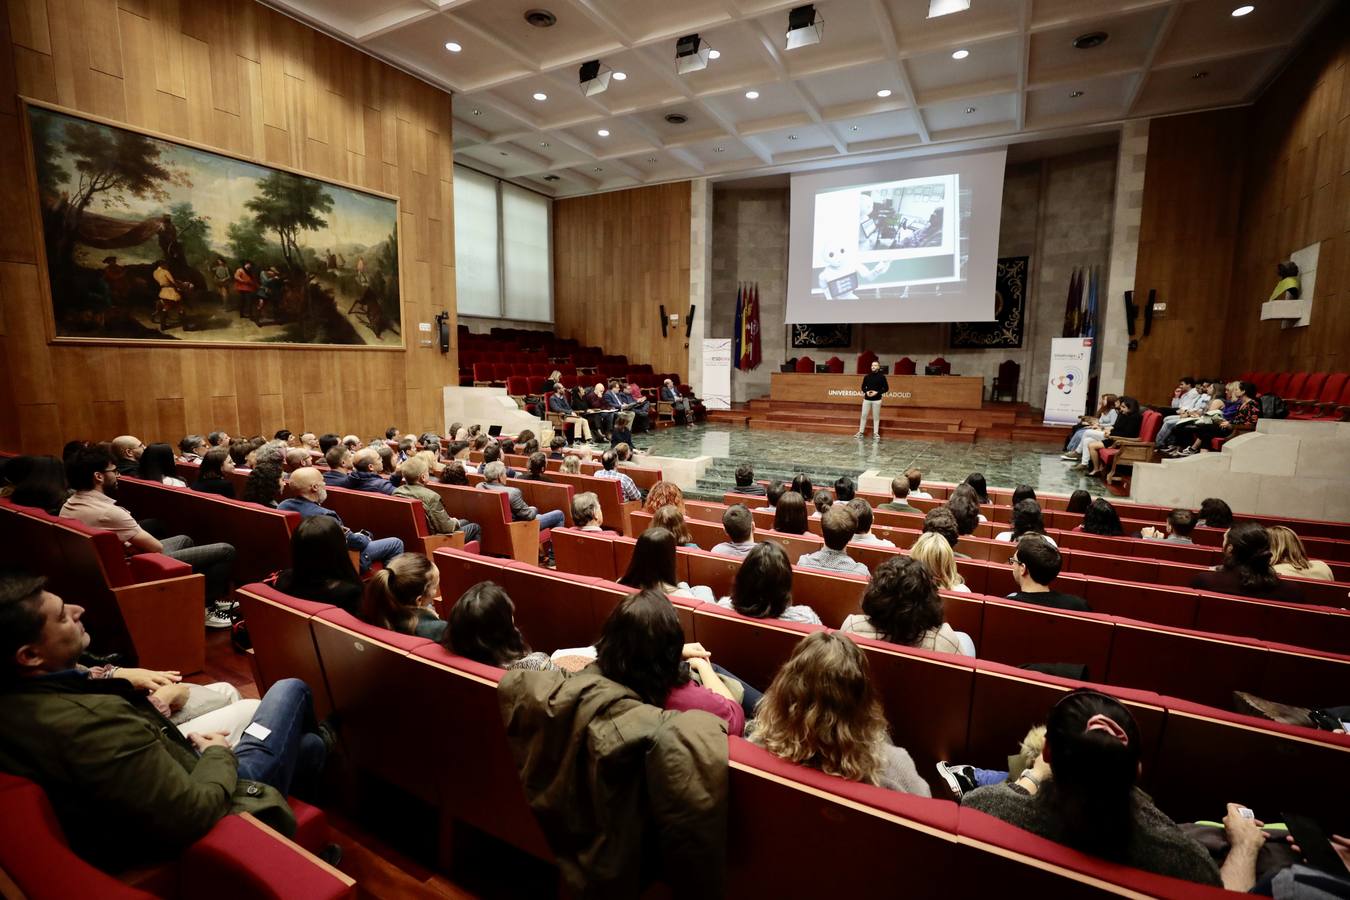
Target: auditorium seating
968,710
805,364
1321,396
491,511
1127,451
865,360
239,857
148,607
384,516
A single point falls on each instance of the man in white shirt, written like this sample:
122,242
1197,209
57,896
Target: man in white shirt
1180,524
862,532
915,476
739,525
1190,403
837,524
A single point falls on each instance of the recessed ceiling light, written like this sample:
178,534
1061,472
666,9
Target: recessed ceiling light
598,169
620,76
503,153
651,159
1090,40
544,144
792,137
676,118
970,109
540,18
603,132
960,54
1075,94
752,95
853,128
540,96
884,92
719,149
453,46
1243,10
477,112
714,54
1201,74
550,177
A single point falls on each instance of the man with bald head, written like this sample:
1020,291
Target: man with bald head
126,451
310,492
365,474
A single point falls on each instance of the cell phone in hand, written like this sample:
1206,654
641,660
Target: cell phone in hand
1312,840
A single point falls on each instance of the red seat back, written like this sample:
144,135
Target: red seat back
1148,432
805,364
1294,391
835,365
904,366
1280,386
283,643
865,360
1312,388
518,385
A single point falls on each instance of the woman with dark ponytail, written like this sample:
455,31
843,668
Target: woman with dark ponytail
1246,568
399,596
1081,793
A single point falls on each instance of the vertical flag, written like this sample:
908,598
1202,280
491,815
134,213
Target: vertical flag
753,328
738,347
1071,305
1089,328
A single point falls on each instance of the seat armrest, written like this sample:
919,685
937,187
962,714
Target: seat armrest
242,857
155,566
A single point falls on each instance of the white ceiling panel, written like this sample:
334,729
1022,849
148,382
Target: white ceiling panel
1054,58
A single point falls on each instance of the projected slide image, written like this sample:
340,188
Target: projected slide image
890,235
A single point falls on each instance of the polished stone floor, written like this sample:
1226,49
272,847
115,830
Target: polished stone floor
776,454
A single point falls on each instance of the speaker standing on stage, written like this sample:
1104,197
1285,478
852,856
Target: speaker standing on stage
874,387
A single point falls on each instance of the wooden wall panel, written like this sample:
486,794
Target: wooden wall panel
1297,192
236,76
617,258
1187,233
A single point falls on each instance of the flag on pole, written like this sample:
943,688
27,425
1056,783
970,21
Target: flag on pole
739,339
1089,328
1072,303
752,328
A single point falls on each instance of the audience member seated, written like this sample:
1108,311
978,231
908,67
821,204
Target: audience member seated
1180,524
652,567
93,475
618,401
664,493
157,465
1289,558
844,489
1083,795
1246,568
339,471
328,441
365,473
1184,439
310,492
1215,513
1189,400
900,491
321,568
822,501
739,525
1026,519
454,473
586,513
482,627
622,432
1242,413
213,476
557,403
1091,428
521,511
39,482
641,409
556,447
964,512
940,521
901,605
571,465
191,448
679,404
1101,518
597,411
414,485
642,648
608,461
1128,425
801,483
772,494
127,786
965,492
915,477
763,587
1079,501
296,458
126,453
399,597
745,481
1035,564
670,518
1023,492
862,532
240,448
221,439
265,485
976,482
538,465
822,711
933,551
837,526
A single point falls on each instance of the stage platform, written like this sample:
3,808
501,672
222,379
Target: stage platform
999,421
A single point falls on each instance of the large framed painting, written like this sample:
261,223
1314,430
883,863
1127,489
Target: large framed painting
151,239
1010,289
822,337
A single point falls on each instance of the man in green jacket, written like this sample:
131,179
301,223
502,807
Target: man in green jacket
126,785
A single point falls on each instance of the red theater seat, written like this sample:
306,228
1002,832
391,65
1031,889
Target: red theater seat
805,364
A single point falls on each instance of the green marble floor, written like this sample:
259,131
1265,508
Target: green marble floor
776,454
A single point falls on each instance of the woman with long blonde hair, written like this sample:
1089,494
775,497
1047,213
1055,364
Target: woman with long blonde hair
822,711
1288,557
933,551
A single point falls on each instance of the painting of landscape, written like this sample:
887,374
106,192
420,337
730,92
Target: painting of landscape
150,239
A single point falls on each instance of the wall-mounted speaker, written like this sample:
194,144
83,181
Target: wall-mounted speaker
663,320
443,330
689,323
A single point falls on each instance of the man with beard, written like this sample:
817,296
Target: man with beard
93,475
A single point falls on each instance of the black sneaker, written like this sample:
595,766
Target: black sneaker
960,779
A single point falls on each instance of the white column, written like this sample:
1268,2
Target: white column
700,275
1128,208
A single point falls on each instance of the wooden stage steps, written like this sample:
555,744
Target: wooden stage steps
997,421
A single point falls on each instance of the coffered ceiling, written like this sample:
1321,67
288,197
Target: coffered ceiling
882,81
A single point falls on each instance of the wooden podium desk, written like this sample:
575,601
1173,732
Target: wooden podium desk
942,391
